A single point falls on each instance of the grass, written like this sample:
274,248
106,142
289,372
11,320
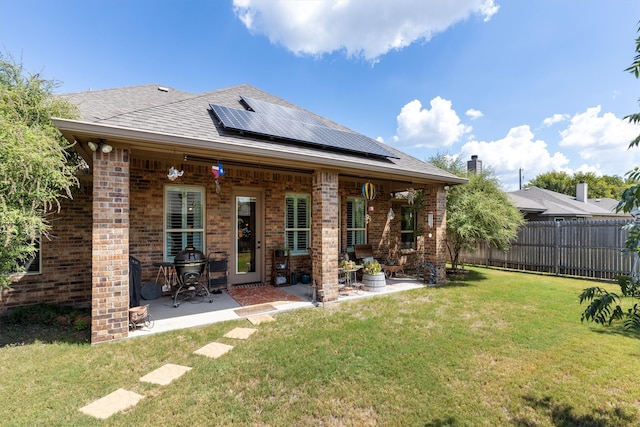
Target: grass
493,348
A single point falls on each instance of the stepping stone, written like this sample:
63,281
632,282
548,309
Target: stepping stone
261,318
165,374
117,401
214,350
240,333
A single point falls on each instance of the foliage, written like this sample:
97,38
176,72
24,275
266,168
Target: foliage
599,186
606,307
347,265
44,313
634,69
478,211
36,167
372,267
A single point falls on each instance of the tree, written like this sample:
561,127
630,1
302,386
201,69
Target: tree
560,182
606,307
36,165
599,186
478,211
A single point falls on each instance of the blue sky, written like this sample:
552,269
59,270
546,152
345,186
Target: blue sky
532,85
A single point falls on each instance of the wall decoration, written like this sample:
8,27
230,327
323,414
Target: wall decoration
410,195
369,191
174,174
217,172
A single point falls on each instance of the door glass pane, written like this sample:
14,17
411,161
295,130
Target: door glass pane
246,242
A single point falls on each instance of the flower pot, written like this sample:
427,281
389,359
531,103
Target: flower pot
280,253
374,282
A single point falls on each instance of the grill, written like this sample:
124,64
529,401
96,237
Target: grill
189,265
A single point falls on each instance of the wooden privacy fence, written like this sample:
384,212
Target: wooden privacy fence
574,248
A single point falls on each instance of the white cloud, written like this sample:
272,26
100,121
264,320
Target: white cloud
474,114
556,118
517,150
589,130
602,141
438,127
359,28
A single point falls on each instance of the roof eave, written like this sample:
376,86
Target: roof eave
76,130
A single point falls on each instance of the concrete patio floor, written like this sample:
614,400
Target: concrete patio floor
166,317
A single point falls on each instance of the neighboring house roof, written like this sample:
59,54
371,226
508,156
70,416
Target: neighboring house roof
543,202
156,118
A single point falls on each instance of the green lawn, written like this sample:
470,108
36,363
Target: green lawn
493,349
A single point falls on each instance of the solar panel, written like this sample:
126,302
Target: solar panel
287,113
276,126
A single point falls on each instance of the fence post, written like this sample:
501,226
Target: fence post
557,248
487,251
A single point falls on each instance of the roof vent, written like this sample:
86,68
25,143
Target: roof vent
163,89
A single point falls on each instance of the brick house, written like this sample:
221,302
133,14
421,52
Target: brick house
277,187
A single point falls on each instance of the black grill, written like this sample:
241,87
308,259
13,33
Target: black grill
189,263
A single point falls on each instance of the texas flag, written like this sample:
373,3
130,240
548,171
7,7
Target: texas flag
217,171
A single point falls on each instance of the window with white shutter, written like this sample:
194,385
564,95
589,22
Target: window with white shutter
184,219
356,223
297,222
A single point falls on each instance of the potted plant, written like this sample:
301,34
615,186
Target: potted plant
281,251
373,277
347,265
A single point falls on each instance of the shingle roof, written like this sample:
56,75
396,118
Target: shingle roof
181,114
550,203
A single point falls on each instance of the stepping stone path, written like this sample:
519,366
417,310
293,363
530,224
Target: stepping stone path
261,318
214,350
165,374
117,401
121,399
240,333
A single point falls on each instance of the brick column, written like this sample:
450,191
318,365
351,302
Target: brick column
110,249
325,233
435,248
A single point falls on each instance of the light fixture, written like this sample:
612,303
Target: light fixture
94,146
430,219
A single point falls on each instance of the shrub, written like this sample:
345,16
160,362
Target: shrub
372,267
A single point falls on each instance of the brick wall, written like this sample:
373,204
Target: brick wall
148,181
65,258
434,247
110,252
130,220
325,233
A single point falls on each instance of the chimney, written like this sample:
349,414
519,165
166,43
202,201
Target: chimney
474,165
581,192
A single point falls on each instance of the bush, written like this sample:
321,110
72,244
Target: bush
372,267
44,314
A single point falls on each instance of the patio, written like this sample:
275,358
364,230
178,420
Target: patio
166,317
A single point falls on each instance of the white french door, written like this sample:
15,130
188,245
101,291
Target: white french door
247,257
